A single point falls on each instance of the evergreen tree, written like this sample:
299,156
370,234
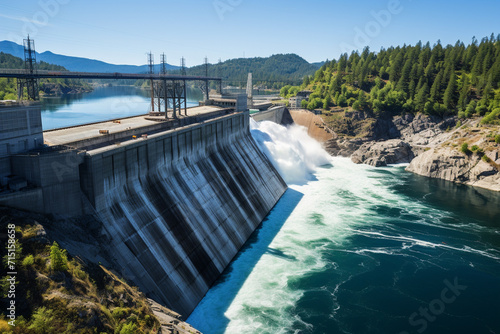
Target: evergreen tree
449,94
464,97
416,78
436,87
421,97
403,82
396,67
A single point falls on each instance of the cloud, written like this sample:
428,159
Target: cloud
24,19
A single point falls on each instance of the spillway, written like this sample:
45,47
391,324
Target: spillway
179,205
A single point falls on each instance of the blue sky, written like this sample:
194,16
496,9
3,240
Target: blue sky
121,32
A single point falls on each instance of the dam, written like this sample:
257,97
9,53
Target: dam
176,201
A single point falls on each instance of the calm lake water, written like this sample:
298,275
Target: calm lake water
358,249
102,104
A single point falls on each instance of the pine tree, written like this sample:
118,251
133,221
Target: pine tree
463,99
421,97
449,94
436,87
396,68
411,89
403,83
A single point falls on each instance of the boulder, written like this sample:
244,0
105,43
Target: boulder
378,154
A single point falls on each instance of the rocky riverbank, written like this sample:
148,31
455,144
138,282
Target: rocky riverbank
469,156
431,145
57,89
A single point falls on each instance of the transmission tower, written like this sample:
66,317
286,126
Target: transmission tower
204,84
219,75
30,83
163,64
151,65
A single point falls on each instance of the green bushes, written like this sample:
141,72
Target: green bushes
492,118
130,328
58,258
486,159
497,139
28,261
465,149
42,321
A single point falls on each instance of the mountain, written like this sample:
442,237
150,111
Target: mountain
274,71
319,63
77,64
8,89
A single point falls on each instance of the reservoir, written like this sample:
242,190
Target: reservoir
102,104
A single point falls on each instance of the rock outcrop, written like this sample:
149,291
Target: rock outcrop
451,165
430,144
361,128
379,154
422,130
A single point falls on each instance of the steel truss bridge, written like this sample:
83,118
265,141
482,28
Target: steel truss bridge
167,91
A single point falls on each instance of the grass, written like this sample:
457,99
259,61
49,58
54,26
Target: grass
76,297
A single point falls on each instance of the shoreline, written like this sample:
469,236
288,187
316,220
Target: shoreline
431,146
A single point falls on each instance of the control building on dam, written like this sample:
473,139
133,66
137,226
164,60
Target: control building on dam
176,199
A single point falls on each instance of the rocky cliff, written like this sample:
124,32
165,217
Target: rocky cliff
469,156
432,145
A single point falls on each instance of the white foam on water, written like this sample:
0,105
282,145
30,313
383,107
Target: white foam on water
259,292
256,300
293,152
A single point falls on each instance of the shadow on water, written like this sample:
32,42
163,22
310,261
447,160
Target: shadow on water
280,254
252,251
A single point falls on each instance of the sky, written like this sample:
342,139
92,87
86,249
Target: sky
122,32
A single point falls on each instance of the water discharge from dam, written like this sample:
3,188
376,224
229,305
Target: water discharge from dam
356,249
178,206
294,154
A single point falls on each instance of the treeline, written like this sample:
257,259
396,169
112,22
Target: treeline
437,80
272,72
8,86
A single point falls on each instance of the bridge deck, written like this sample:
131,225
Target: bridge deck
8,73
84,132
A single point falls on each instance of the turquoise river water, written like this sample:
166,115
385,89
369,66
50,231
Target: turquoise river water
356,249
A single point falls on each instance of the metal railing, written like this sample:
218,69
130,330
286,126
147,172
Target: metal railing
21,73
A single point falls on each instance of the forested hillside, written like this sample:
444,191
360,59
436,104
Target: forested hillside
8,87
273,72
454,79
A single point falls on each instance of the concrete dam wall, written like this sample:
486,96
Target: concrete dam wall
178,205
279,115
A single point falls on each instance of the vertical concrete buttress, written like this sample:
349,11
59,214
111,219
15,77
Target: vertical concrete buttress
179,205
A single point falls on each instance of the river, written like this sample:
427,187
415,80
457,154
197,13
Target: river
357,249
